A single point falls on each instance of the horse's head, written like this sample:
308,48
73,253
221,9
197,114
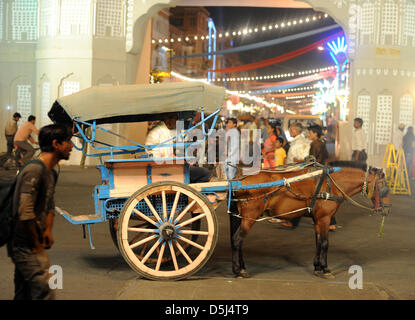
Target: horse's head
377,190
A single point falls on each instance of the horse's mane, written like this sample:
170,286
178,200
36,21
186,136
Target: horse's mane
348,164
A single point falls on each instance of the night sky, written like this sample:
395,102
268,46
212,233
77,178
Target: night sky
238,18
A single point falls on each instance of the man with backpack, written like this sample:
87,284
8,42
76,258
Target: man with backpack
33,212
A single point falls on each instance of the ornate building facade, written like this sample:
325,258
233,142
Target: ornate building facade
49,48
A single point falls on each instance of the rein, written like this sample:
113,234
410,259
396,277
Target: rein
349,198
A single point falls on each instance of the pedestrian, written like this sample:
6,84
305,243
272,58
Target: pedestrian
22,135
281,134
408,147
319,151
398,137
268,152
34,208
162,133
299,146
280,154
358,142
318,146
298,151
232,149
10,131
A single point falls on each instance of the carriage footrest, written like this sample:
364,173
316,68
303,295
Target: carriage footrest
79,219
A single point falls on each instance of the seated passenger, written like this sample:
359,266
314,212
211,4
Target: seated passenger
161,133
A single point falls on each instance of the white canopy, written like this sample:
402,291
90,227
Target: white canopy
104,102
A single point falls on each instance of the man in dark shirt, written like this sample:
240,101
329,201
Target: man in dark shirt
34,206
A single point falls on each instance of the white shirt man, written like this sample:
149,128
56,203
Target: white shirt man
398,137
233,149
157,135
299,146
358,141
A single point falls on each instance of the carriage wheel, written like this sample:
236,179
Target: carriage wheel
113,226
161,253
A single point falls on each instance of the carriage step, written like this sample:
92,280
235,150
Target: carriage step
79,219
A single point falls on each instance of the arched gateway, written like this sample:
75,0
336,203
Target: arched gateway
381,44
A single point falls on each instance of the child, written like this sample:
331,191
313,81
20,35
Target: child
280,153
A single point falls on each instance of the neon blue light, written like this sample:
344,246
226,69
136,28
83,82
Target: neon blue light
334,58
212,48
338,47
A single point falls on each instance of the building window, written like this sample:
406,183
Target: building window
48,18
363,111
367,22
70,87
383,119
389,24
409,24
406,110
24,20
24,100
45,103
75,17
109,17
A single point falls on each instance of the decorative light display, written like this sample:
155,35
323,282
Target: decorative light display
212,48
335,92
246,31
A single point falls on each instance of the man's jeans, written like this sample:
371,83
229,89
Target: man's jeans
31,275
28,150
10,144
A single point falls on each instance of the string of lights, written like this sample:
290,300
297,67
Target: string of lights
237,93
273,76
300,97
245,31
290,90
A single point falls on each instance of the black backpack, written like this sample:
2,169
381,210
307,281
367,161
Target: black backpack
7,216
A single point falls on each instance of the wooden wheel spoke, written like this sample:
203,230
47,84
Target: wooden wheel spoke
183,252
139,243
173,255
173,209
188,207
142,230
153,248
194,244
152,209
194,232
160,256
200,216
142,215
163,197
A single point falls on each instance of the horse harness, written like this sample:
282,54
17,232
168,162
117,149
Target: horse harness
317,195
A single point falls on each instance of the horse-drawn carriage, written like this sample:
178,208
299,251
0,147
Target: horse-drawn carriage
164,226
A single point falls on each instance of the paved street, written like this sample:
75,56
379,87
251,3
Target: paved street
279,261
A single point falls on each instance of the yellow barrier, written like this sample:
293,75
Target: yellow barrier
396,171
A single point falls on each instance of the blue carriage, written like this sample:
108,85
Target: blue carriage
164,226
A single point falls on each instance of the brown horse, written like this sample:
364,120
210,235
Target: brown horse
251,204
